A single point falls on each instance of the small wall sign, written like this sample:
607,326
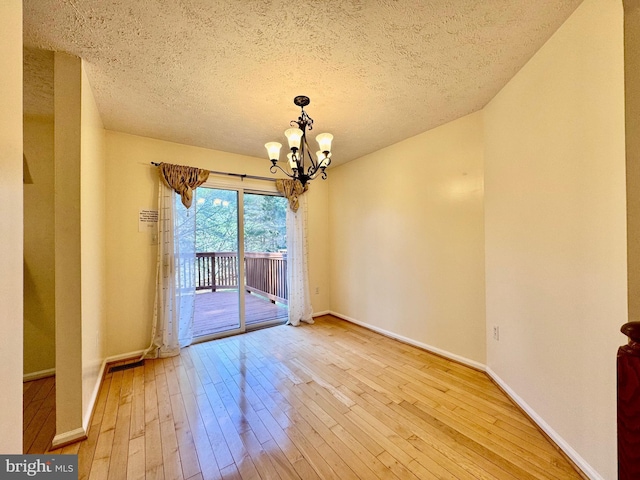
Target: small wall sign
148,220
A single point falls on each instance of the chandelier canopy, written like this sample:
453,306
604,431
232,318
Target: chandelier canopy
297,138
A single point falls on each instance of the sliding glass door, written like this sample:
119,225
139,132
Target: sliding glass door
265,240
241,261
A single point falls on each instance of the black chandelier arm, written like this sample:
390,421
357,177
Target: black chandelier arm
320,172
274,168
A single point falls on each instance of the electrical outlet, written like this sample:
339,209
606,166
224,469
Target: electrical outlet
317,290
496,332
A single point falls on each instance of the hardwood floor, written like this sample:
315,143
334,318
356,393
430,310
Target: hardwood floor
330,400
38,414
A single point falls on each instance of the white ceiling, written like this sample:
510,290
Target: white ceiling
222,74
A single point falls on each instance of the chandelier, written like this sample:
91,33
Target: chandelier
297,138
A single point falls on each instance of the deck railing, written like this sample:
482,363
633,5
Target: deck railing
266,273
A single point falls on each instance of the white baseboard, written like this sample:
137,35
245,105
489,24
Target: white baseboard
66,438
81,433
319,314
27,377
546,428
96,388
86,420
124,356
410,341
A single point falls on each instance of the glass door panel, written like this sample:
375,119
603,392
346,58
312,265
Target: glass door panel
218,270
265,244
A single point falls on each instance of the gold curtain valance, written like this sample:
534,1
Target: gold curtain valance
183,180
291,189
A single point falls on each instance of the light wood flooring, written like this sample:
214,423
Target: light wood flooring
330,400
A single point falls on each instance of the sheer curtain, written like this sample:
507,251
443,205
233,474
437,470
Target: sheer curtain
300,309
175,273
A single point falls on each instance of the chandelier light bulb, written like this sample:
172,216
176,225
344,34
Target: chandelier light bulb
274,150
324,141
292,162
323,160
294,135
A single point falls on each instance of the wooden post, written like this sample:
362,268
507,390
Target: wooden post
629,404
214,279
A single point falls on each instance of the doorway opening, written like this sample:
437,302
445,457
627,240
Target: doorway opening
241,261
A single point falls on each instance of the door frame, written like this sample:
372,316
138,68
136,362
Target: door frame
240,185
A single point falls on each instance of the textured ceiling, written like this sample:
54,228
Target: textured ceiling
38,82
223,74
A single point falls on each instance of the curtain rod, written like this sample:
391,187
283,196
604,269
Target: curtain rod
241,175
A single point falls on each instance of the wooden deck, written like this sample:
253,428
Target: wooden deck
218,311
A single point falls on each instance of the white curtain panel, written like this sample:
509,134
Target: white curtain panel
300,309
175,278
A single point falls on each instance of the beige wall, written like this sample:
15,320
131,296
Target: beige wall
407,239
555,232
39,277
93,255
80,252
318,237
68,294
131,259
11,232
